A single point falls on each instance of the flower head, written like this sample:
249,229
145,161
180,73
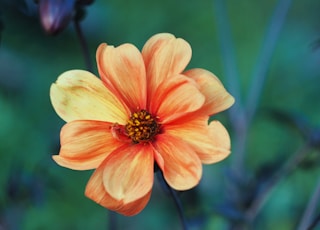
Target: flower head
146,109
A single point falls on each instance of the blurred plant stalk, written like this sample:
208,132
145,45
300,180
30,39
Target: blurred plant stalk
56,15
243,112
306,220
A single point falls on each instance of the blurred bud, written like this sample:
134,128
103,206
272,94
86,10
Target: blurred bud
55,15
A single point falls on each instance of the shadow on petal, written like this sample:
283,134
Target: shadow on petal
85,144
95,190
181,167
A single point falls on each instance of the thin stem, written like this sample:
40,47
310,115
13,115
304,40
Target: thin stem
286,169
241,117
83,44
176,200
227,48
236,112
260,72
314,223
112,223
311,208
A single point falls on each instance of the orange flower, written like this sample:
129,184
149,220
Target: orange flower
145,109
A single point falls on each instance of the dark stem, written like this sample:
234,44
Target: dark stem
83,44
241,115
261,69
311,209
176,200
112,225
286,169
314,223
236,113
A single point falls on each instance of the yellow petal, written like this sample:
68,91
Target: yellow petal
181,166
85,144
128,173
217,98
212,143
176,97
122,70
79,95
95,190
164,55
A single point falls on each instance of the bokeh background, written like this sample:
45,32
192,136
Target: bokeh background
229,38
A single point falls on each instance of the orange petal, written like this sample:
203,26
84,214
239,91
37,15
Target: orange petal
212,143
221,142
79,95
128,172
176,97
95,190
217,98
122,70
181,166
164,55
85,144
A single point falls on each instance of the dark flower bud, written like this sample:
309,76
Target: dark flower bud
55,15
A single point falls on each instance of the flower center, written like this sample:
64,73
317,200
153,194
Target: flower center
142,127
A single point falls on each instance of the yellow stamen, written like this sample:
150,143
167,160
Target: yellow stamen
142,127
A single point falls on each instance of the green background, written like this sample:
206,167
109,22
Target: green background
36,193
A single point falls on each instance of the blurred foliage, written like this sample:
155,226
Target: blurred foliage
38,194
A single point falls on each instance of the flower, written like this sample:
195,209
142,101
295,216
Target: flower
145,109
